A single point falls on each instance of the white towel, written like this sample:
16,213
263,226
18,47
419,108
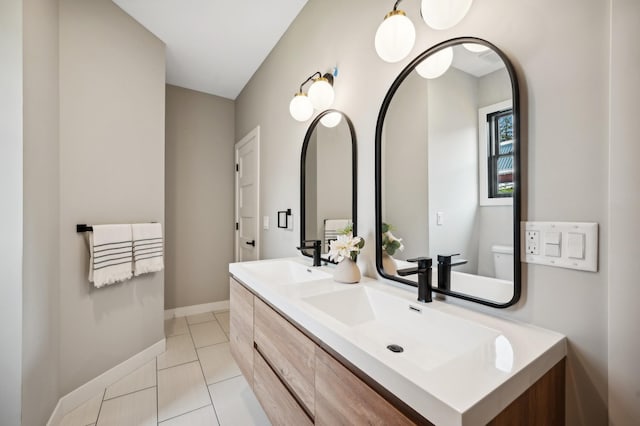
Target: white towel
110,248
147,248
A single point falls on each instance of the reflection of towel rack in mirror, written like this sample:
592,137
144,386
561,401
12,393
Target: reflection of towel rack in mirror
83,227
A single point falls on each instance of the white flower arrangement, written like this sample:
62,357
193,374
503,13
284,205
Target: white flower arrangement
345,246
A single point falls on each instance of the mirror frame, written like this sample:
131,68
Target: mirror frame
303,174
517,279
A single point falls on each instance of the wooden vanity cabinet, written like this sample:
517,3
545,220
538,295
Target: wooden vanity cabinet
290,353
298,383
241,327
342,398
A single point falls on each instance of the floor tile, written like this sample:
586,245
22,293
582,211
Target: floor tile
85,414
179,351
223,319
134,409
144,377
181,389
236,404
204,416
175,326
195,319
207,333
217,363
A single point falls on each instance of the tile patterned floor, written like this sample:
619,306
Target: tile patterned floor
195,382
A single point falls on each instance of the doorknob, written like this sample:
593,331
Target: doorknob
251,243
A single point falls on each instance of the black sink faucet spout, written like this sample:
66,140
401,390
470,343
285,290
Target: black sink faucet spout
423,270
444,269
312,245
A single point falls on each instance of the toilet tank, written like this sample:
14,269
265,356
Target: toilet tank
503,261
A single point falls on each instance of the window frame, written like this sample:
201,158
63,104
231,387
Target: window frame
483,155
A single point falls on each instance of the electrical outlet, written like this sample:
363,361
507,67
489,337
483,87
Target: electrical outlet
532,242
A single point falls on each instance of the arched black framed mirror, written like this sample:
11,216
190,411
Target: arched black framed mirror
448,172
328,179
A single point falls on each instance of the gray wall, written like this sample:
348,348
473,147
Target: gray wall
41,271
112,96
562,62
11,144
624,207
453,166
199,197
406,152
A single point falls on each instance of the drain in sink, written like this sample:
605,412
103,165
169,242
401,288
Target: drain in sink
395,348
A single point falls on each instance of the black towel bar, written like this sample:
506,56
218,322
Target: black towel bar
83,227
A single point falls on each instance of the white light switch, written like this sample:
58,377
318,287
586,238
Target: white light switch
575,245
552,237
439,218
572,245
552,250
265,222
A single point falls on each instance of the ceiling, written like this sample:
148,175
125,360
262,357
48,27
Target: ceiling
214,46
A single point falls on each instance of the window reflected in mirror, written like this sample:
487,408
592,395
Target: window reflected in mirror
448,158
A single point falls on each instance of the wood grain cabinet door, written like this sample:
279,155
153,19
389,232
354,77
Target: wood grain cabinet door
241,328
344,399
288,351
276,400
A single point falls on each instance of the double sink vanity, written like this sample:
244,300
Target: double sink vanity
316,351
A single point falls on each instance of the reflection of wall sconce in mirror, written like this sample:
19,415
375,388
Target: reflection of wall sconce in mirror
396,35
283,218
319,97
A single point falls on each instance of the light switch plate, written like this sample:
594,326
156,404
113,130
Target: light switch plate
577,244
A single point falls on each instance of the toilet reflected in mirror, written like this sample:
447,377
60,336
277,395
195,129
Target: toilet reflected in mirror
447,159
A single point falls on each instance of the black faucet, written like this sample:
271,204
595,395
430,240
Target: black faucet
444,269
423,270
312,245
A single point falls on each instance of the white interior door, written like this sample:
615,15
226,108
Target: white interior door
248,197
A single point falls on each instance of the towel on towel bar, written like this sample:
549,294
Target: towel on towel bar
110,248
147,248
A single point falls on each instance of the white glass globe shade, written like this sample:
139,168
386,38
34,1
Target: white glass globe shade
395,37
443,14
437,64
300,107
331,120
321,94
475,47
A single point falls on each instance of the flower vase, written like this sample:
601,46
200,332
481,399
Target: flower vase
347,272
389,264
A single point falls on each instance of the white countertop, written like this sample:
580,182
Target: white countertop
470,388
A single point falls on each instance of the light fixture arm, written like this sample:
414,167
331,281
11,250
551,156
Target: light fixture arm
315,76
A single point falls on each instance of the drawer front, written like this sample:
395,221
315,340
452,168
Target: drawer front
280,406
241,327
344,399
288,351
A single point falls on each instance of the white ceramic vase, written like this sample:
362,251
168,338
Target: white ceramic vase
347,272
389,264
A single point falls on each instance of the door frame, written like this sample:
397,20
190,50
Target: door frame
252,135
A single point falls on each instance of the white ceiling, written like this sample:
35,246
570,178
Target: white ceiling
214,46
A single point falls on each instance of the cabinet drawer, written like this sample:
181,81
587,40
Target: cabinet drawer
288,351
241,327
344,399
280,406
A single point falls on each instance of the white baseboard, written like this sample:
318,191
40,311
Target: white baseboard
87,391
196,309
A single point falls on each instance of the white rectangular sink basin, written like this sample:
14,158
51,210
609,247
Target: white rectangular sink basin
428,337
282,272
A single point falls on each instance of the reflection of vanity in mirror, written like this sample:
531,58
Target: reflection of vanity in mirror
328,179
447,160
